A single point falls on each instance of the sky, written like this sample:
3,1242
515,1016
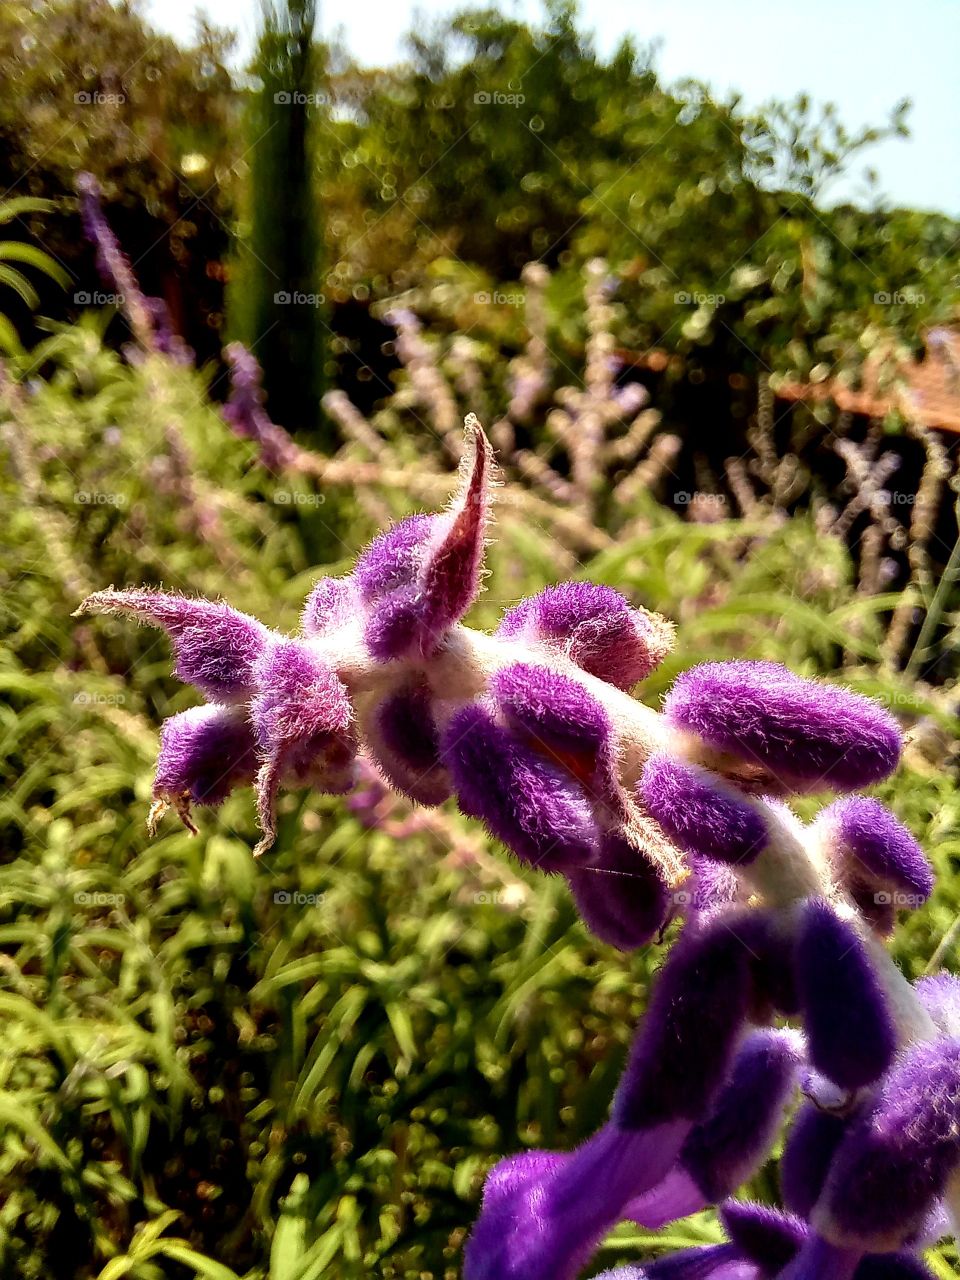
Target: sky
864,55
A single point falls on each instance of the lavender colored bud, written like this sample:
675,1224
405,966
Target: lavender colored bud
245,414
330,605
699,813
814,1139
712,886
940,996
896,1161
302,718
807,734
685,1047
768,1237
730,1145
403,737
872,849
768,937
422,576
536,809
620,895
596,628
204,753
562,718
392,560
850,1030
216,647
732,1142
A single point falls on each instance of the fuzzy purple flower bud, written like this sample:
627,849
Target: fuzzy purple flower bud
896,1161
204,753
596,628
405,744
806,734
846,1015
536,808
216,646
732,1142
814,1140
689,1037
699,813
940,996
331,604
873,851
621,895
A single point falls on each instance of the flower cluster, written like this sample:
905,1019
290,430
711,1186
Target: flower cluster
649,816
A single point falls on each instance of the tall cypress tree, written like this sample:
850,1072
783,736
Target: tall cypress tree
282,276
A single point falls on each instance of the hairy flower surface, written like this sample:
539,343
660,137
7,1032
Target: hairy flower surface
648,816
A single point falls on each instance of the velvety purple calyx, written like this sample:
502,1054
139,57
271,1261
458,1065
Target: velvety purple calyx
768,938
543,1215
405,742
814,1139
539,812
204,753
596,628
685,1046
766,1236
563,719
728,1147
699,813
896,1161
805,734
850,1031
302,718
331,604
870,846
216,647
421,577
620,895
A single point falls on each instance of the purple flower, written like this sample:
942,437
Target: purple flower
245,414
700,814
405,744
620,894
204,753
806,735
876,857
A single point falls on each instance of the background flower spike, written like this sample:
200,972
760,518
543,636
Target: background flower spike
216,647
849,1026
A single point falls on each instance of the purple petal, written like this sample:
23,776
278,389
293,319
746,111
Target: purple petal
216,647
393,558
849,1027
818,1260
542,1218
940,996
204,753
806,734
896,1161
533,806
685,1046
893,1266
596,628
621,895
403,737
699,813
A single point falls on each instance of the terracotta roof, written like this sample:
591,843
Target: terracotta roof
926,390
